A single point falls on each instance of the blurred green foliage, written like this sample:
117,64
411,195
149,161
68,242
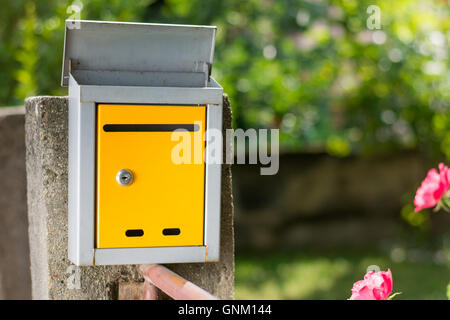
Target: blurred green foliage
311,68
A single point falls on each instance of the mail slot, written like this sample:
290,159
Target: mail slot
135,92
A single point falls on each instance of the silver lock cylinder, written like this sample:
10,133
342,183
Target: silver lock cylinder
124,177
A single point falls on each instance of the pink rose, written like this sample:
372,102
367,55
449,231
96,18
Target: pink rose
445,174
375,286
433,188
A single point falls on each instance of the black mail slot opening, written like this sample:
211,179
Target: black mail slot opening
134,233
149,127
171,232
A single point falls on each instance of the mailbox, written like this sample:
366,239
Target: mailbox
131,85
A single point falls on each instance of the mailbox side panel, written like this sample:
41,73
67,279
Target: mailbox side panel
213,184
81,177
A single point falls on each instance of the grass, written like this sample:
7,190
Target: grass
331,276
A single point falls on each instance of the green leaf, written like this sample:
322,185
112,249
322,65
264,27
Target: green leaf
392,296
446,204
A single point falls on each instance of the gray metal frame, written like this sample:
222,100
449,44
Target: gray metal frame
82,135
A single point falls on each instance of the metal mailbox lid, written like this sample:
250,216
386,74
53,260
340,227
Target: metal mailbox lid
111,49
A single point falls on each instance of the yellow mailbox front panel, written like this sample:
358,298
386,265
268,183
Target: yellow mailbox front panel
164,203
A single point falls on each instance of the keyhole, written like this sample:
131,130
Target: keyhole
124,177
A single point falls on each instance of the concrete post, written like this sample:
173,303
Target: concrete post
52,274
15,282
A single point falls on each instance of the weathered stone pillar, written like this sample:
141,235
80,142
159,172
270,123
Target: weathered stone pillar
15,280
53,275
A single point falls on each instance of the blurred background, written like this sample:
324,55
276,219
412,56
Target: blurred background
363,113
